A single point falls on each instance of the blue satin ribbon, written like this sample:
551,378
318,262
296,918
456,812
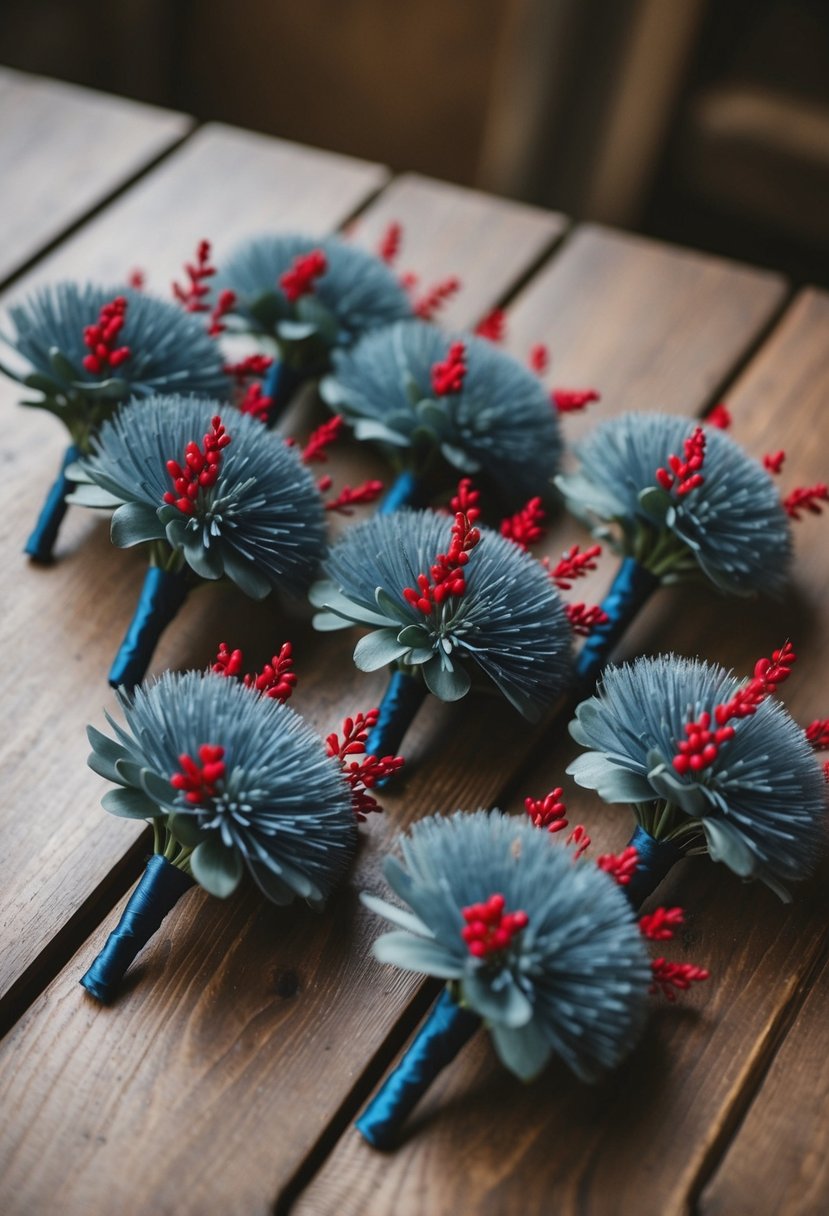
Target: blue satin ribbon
160,888
40,544
437,1043
404,492
631,587
281,382
401,701
656,858
162,595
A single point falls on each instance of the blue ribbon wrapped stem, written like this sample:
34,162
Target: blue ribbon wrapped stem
162,595
404,492
631,588
281,382
436,1044
655,859
41,542
401,701
160,888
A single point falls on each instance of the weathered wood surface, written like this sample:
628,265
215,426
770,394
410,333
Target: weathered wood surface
63,150
646,1140
247,1030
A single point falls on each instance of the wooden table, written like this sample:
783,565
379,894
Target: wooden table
227,1076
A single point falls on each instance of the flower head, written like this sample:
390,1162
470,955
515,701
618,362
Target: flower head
246,507
73,338
544,948
311,294
497,610
239,778
759,805
482,412
683,501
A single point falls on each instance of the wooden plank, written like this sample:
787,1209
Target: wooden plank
781,1151
64,150
643,1141
652,327
495,241
222,183
233,1046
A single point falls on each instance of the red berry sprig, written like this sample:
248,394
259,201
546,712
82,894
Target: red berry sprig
569,401
493,326
301,279
548,812
806,498
198,780
448,377
685,474
200,470
572,565
526,526
447,573
390,241
362,775
489,930
100,338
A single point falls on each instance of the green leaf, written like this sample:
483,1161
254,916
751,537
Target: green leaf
133,523
655,501
449,684
207,563
398,916
186,830
129,803
63,368
329,622
504,1004
86,494
725,844
378,649
156,787
295,331
390,609
367,428
593,771
108,390
251,581
217,869
415,636
420,954
129,773
524,1050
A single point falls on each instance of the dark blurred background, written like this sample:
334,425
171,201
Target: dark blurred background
702,121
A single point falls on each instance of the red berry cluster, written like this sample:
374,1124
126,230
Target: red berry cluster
548,812
817,734
201,469
585,617
489,929
773,461
100,338
256,403
621,866
573,565
539,361
435,297
806,498
192,296
199,781
720,417
362,775
448,377
389,246
276,680
252,365
493,326
668,977
300,280
569,401
447,572
466,499
685,474
321,439
661,924
526,526
702,744
348,498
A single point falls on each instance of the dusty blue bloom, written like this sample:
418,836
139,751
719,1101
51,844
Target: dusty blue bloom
732,528
573,983
282,811
510,623
262,524
170,353
500,423
357,292
761,805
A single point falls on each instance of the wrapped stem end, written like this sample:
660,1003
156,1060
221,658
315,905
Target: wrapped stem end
41,543
445,1031
159,890
162,595
401,701
654,858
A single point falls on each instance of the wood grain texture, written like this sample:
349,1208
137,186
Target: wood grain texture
61,627
491,243
64,150
651,326
645,1140
781,1151
221,1043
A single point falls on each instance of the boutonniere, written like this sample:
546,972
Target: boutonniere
209,501
681,503
236,785
439,403
535,944
307,296
85,350
710,764
445,602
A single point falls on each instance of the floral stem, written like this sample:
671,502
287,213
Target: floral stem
436,1044
159,889
631,588
162,595
41,542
